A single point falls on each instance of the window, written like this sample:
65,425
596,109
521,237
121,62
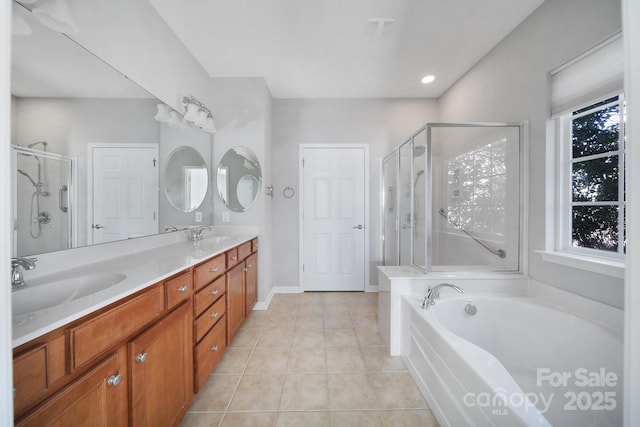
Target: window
593,209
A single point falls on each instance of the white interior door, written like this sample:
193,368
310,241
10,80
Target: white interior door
333,219
123,192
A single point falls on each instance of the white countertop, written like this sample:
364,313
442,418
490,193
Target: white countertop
142,269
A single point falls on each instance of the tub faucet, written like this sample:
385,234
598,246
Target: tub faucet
433,294
196,233
17,278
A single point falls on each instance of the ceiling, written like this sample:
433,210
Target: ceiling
331,49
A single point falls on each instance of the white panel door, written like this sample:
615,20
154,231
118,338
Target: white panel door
333,219
124,192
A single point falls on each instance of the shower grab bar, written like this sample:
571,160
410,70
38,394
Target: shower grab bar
498,252
61,193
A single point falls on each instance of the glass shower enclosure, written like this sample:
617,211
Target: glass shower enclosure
42,201
453,198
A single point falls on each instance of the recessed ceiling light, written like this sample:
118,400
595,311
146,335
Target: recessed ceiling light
428,79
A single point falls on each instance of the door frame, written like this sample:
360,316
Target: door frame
90,147
302,147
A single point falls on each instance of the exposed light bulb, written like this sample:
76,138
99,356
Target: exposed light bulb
428,79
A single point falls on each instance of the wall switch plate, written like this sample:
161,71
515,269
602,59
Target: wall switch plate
225,217
198,216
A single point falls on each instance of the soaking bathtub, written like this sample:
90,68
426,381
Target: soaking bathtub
513,361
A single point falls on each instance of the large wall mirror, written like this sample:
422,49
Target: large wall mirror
80,132
239,178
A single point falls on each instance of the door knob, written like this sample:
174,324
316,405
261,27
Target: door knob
359,226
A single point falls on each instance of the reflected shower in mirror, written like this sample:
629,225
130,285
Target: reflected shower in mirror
239,178
65,96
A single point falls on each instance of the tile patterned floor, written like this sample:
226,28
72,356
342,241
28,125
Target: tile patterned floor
311,359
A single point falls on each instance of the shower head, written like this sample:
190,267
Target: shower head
418,150
418,175
44,144
28,177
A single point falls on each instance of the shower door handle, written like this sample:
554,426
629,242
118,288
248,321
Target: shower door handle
98,226
61,198
359,226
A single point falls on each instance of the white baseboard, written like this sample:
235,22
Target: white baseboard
371,288
263,305
287,290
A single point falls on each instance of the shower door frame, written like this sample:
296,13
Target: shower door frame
384,208
522,195
71,161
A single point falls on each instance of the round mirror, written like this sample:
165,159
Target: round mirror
186,179
239,178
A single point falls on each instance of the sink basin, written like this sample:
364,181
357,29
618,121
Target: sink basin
50,294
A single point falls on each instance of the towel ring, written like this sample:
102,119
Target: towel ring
288,192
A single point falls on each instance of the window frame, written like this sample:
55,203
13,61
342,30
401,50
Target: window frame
564,167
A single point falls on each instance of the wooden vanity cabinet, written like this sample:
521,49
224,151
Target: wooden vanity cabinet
235,300
84,373
161,370
96,398
251,282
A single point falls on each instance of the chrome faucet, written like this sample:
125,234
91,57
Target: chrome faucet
17,278
433,294
196,233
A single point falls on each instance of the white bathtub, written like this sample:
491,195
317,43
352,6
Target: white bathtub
517,362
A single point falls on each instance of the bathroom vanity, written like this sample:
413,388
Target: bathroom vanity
137,359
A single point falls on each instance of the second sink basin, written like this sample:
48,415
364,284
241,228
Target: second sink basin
50,294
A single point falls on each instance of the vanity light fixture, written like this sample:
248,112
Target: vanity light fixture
198,114
55,14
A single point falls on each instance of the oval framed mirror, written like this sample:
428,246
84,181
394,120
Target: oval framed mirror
186,179
239,178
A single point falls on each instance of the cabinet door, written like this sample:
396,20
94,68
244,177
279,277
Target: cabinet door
161,368
97,398
235,300
251,279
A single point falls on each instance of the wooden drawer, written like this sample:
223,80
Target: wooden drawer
178,289
208,272
91,337
254,245
232,257
244,250
209,295
208,353
203,323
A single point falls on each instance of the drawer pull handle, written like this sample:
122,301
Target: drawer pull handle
214,270
214,292
214,348
214,315
114,380
141,358
183,289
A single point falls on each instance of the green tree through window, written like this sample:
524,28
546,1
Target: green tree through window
597,156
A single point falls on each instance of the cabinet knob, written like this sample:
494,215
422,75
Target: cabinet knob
245,269
214,292
234,258
250,266
214,348
183,289
214,315
214,270
114,380
141,358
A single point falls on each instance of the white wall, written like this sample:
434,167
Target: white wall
380,123
242,110
631,23
510,84
6,356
